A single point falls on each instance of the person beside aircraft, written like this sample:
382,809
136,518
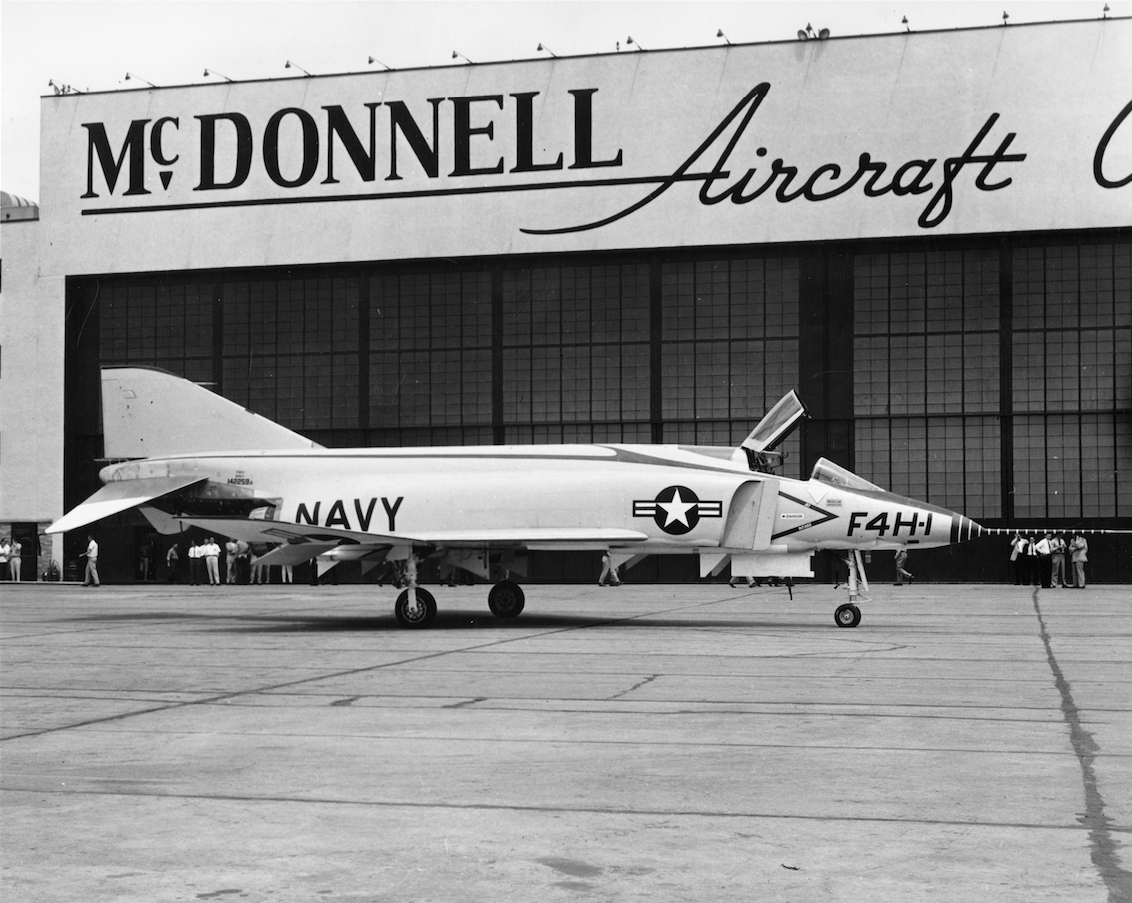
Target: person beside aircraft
212,561
172,559
608,571
90,578
15,561
901,574
1079,552
1043,550
230,550
1018,557
1057,548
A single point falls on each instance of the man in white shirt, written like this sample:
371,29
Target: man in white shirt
1044,549
212,561
91,555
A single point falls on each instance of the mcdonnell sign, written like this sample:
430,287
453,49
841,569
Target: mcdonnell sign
1008,129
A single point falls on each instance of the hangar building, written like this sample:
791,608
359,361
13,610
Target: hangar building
928,235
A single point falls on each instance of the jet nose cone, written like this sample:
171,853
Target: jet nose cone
963,528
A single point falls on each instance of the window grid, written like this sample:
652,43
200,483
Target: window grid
576,358
729,348
1072,380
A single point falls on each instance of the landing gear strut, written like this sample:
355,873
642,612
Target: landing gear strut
415,607
849,615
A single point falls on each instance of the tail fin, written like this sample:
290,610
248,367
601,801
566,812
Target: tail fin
147,412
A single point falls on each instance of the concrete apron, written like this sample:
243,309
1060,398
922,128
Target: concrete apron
638,743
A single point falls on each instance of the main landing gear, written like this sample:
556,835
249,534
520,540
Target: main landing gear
506,599
415,607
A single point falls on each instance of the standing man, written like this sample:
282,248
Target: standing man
5,555
14,561
172,557
1044,550
90,578
1033,577
1057,553
212,561
230,550
1079,551
1017,557
243,563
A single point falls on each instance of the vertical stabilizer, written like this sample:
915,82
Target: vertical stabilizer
147,412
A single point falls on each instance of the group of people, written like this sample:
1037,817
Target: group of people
10,560
1042,561
241,565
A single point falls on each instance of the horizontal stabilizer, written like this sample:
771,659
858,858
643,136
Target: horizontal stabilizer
290,555
117,496
147,413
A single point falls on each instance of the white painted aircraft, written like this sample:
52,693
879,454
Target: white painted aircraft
189,457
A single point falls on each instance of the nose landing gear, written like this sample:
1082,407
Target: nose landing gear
849,615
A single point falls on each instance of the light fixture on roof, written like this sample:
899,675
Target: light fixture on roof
61,89
541,47
1104,15
290,65
456,54
374,59
1005,16
904,22
140,79
208,72
631,41
720,34
810,33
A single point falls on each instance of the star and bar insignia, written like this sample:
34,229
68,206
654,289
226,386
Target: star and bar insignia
677,509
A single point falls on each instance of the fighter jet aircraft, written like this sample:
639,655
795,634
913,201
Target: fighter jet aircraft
189,457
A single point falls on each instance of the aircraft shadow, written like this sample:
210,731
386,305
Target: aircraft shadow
451,621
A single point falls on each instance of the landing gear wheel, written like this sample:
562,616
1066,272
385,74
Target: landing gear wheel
847,615
420,616
506,599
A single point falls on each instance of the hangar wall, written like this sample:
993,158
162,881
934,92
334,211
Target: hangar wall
926,234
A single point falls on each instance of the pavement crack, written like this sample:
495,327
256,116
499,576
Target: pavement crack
1103,848
636,686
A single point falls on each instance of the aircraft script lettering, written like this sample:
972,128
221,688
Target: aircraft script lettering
910,178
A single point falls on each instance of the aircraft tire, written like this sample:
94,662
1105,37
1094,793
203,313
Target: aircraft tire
506,599
847,615
415,620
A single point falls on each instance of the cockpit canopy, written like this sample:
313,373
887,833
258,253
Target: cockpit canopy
828,472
